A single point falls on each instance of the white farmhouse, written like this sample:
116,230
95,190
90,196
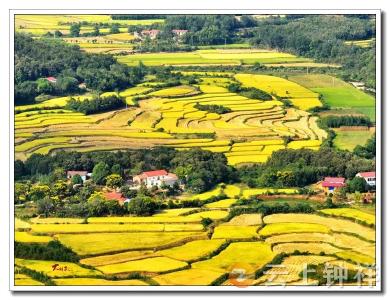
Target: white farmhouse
155,178
369,177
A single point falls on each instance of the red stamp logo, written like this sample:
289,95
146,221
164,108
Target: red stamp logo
241,275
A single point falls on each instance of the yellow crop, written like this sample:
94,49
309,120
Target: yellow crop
235,232
350,213
97,282
24,237
279,228
188,277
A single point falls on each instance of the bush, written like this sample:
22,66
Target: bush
142,206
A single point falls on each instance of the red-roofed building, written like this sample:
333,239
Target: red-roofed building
330,184
114,196
150,33
369,177
155,178
51,79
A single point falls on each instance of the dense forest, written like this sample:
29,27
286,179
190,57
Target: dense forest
36,59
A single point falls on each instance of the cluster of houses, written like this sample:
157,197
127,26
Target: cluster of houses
153,33
160,178
332,184
149,179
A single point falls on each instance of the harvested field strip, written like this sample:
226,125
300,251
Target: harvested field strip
233,232
117,258
335,225
120,133
225,203
314,248
149,265
92,228
110,243
246,193
246,219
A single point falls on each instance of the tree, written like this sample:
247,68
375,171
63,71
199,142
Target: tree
45,206
76,179
21,192
75,30
114,180
114,29
44,86
357,184
38,192
60,189
142,206
100,172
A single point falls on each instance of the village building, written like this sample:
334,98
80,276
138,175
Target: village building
115,196
179,32
331,184
51,79
155,178
150,33
369,177
83,174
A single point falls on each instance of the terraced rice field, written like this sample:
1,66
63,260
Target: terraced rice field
211,56
179,257
46,127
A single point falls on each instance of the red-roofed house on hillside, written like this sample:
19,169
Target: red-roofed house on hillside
51,79
114,196
150,33
82,174
369,177
155,178
331,184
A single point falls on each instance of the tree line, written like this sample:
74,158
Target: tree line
96,104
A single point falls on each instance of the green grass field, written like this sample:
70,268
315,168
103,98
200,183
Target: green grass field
349,139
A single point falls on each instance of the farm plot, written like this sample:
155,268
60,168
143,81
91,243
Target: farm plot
192,251
61,269
189,277
254,254
246,220
101,243
25,237
283,88
235,232
349,139
350,213
281,228
225,203
333,224
24,280
148,265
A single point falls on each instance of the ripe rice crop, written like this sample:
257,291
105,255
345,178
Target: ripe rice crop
92,228
117,258
235,232
255,254
232,190
100,243
173,91
22,279
225,203
249,192
19,224
303,144
356,257
282,228
154,264
25,237
337,225
207,195
192,250
57,220
188,277
350,213
63,269
39,142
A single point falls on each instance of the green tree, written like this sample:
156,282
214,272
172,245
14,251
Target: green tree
59,189
45,206
76,179
100,172
142,206
357,184
21,192
114,29
75,30
114,180
44,86
38,192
